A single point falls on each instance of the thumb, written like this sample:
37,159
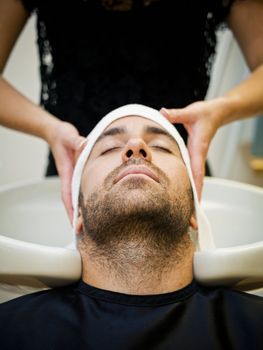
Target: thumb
198,170
66,179
178,115
80,144
197,160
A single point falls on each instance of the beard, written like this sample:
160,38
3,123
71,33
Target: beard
136,214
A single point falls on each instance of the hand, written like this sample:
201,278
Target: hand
66,145
201,120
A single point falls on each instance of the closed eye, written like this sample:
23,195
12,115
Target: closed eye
109,150
162,149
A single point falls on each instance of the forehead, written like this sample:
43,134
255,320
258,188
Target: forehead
133,123
135,126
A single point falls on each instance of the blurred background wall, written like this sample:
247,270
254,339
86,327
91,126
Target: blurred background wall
23,157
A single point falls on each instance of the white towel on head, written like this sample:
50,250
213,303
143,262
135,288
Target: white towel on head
205,240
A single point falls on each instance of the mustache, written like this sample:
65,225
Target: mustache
109,180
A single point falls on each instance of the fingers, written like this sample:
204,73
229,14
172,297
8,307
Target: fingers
66,173
65,164
198,170
66,168
197,153
175,115
66,147
80,145
67,200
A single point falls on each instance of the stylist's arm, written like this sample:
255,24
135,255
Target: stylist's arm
202,119
63,138
19,113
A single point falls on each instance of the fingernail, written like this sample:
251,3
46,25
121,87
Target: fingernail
164,110
82,143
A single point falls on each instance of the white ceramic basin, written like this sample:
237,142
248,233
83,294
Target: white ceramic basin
35,231
235,212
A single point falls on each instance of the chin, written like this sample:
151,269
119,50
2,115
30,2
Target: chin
136,201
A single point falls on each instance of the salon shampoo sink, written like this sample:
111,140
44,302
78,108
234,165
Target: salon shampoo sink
35,237
235,213
34,234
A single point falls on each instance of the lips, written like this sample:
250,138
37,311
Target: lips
138,169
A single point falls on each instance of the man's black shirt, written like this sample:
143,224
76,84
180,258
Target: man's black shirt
80,316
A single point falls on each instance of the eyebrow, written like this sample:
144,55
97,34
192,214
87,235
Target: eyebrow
159,131
147,130
111,132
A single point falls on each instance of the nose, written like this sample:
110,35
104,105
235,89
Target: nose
136,148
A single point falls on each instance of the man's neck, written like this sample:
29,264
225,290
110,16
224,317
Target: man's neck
136,269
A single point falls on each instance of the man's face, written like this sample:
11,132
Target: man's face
135,170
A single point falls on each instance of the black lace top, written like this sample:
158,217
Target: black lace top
99,54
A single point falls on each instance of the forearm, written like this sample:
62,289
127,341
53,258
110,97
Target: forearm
243,101
17,112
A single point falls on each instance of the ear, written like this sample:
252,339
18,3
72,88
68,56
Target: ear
193,222
79,223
